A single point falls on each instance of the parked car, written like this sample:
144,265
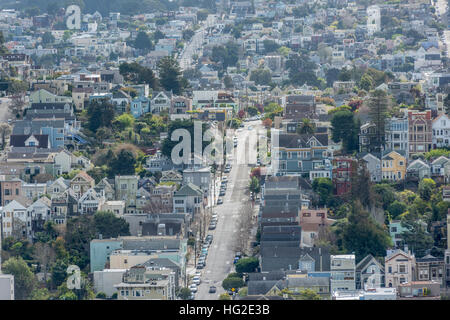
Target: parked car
196,280
193,288
220,201
212,289
209,238
200,265
214,217
212,226
221,193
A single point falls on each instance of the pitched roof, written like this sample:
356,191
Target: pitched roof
18,140
188,189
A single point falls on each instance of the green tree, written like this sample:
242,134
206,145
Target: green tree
110,226
416,237
261,76
247,265
99,114
227,55
126,120
306,127
40,294
302,70
366,82
309,294
345,128
324,188
228,82
48,38
188,34
378,107
123,164
58,272
270,46
396,208
3,49
143,41
426,188
224,296
170,75
24,280
232,282
184,293
80,231
363,235
202,15
254,185
385,194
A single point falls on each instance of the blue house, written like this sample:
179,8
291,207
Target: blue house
140,106
54,128
306,155
100,252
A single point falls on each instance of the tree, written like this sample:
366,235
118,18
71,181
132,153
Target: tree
188,34
261,76
24,281
3,49
125,120
345,128
170,75
270,46
184,293
301,71
5,132
232,282
426,188
254,185
385,194
123,164
143,41
378,107
80,231
361,188
228,82
135,73
417,238
99,114
202,15
364,236
252,111
48,38
306,127
366,82
110,226
45,255
309,294
324,188
396,208
247,265
40,294
224,296
227,55
331,76
267,123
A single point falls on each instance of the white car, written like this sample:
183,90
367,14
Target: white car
193,288
196,280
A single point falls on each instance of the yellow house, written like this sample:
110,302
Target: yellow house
393,166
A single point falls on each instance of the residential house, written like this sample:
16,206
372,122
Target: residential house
342,172
276,258
343,273
298,107
126,188
16,221
399,268
305,155
107,185
91,201
140,106
201,177
40,213
30,140
418,169
417,289
373,165
420,131
396,135
43,96
189,199
147,283
115,206
171,176
441,132
81,183
393,166
311,222
429,268
161,101
369,273
10,190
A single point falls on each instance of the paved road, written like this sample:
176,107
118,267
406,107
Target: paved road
4,111
195,44
441,10
219,262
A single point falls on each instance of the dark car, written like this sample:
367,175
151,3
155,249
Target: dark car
212,289
220,201
212,226
221,193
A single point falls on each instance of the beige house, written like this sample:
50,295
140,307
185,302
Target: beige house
81,183
399,267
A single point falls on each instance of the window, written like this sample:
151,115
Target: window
402,269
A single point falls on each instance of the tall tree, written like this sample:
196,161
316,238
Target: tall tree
345,128
3,49
306,127
417,238
110,226
170,75
378,107
24,281
363,236
100,114
143,42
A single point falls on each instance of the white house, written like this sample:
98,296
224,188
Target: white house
16,221
441,132
91,201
